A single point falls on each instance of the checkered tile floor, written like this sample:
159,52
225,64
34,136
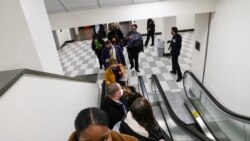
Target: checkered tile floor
78,59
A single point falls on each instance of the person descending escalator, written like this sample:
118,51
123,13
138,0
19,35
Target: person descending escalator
140,122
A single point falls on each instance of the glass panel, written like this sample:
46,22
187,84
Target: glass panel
177,132
247,131
222,125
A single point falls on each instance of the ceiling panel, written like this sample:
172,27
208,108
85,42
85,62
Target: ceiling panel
144,1
54,6
80,4
105,3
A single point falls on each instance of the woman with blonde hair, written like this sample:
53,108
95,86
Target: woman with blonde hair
114,72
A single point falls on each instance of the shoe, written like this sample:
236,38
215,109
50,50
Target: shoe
179,79
137,70
131,67
173,72
152,45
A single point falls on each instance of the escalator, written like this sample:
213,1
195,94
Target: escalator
204,117
174,127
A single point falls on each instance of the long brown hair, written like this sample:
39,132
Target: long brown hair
143,113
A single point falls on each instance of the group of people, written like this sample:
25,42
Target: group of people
125,111
113,47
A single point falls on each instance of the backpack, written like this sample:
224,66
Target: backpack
137,45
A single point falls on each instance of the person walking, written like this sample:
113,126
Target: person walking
151,32
175,46
134,47
97,47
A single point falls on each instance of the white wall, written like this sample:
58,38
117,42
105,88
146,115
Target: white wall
227,71
39,26
169,23
63,35
17,47
186,21
43,109
128,12
200,35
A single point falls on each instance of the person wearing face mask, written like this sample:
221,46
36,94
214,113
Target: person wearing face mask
114,72
112,104
134,47
112,51
175,46
91,124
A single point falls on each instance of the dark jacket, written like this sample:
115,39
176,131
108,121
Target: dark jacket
176,43
98,50
114,135
136,36
101,30
114,110
151,28
131,127
117,33
119,55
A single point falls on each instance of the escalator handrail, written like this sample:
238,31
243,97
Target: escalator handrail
144,92
143,87
179,122
103,94
230,113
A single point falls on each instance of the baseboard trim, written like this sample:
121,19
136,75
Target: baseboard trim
186,30
156,33
69,41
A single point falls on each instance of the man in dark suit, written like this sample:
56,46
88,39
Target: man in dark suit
175,46
112,51
112,105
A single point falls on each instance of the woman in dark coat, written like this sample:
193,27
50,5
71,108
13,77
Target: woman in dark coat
151,32
140,122
97,46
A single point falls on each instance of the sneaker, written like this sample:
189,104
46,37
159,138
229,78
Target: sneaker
179,79
131,67
137,70
173,72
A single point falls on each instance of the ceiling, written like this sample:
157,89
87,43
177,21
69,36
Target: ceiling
57,6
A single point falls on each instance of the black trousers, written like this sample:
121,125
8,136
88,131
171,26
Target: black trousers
175,63
152,37
99,56
133,59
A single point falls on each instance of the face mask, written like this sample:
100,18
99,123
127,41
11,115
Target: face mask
121,92
114,69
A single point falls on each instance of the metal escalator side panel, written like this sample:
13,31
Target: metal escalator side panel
195,133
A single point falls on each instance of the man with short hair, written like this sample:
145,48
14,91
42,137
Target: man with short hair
112,51
112,105
135,46
175,46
